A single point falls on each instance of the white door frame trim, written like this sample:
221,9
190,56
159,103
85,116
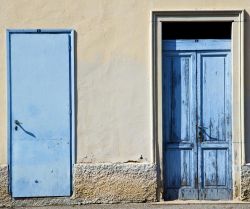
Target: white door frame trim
237,49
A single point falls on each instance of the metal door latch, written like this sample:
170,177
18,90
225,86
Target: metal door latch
17,124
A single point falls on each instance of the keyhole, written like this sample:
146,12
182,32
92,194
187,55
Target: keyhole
16,128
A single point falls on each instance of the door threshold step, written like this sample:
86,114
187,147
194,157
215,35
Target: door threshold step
190,202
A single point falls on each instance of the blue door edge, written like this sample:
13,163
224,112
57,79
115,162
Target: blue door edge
72,70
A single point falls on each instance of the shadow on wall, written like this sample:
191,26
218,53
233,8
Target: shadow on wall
76,93
247,86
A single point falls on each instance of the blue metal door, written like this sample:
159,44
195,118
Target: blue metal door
197,119
40,107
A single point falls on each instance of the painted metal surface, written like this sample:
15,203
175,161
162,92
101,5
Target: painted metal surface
40,112
197,119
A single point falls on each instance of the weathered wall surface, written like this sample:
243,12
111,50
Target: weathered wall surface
115,182
5,199
113,57
113,45
96,183
245,182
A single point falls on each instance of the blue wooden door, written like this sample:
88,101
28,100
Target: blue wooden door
214,124
197,119
40,120
179,114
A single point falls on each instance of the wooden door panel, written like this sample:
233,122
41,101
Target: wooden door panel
213,107
179,125
214,124
179,173
210,168
178,97
215,167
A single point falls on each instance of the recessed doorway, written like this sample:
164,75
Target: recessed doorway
194,103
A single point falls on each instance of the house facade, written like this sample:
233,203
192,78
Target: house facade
109,101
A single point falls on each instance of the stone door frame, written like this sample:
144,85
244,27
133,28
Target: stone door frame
237,67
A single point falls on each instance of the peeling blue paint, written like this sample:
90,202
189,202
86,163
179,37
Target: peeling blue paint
197,119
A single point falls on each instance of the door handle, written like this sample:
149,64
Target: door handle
200,133
200,136
17,123
202,127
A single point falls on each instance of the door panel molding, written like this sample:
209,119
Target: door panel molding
237,92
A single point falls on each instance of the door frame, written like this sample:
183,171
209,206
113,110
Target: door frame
237,89
71,34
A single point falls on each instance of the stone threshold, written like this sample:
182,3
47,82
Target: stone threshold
191,202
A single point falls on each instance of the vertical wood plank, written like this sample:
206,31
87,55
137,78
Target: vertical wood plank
210,167
221,167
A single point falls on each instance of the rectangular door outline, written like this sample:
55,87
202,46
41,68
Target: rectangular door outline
218,146
187,146
184,46
71,58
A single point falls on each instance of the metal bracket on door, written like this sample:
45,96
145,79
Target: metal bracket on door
200,133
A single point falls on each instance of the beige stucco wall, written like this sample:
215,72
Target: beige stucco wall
113,42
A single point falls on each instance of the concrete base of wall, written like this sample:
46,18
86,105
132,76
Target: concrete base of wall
96,183
245,182
111,183
5,199
106,183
